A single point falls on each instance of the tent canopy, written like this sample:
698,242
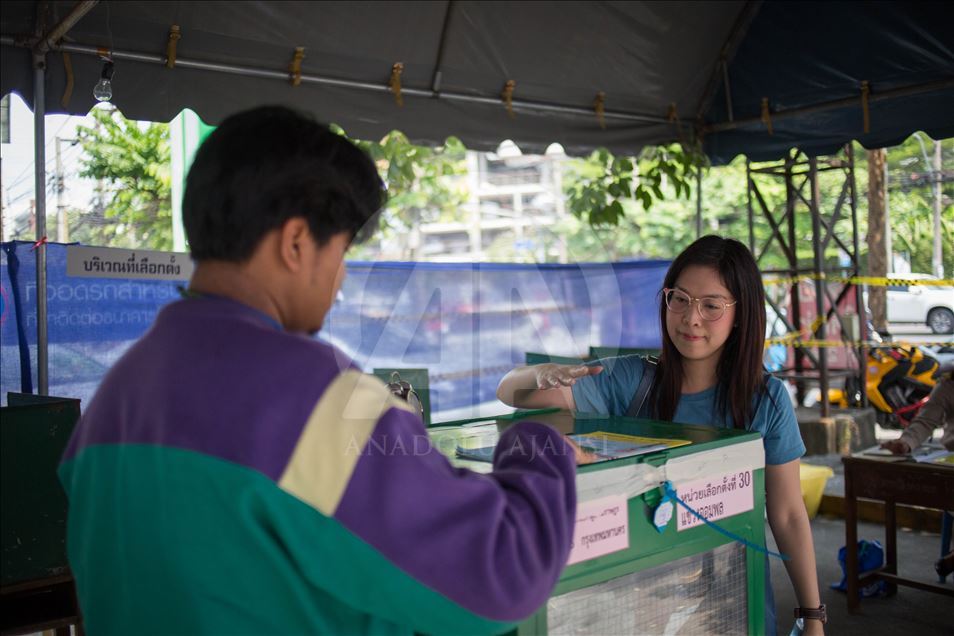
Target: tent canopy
667,71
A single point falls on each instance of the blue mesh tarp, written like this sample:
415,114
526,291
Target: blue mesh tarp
468,324
91,321
471,323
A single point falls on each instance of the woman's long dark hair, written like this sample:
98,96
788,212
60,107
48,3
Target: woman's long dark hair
739,373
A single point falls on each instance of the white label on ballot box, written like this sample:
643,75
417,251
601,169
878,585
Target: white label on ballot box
602,527
715,498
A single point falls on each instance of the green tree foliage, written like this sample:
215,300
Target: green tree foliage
417,176
911,202
622,207
132,161
644,207
424,186
613,218
599,185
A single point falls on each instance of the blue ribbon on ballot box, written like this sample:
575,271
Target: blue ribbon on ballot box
670,495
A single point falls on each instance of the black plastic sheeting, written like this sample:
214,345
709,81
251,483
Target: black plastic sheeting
644,56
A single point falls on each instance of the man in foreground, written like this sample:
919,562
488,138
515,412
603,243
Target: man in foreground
234,475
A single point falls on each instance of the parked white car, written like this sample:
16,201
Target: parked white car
932,305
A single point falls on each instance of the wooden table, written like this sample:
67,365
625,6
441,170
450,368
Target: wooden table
893,482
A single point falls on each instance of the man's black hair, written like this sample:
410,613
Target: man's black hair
264,166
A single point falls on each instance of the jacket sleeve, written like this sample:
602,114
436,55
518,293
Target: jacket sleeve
451,550
938,409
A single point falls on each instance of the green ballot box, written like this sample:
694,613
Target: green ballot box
624,575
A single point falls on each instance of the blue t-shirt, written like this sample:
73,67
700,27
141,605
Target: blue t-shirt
610,393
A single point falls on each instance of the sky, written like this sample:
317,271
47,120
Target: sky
17,164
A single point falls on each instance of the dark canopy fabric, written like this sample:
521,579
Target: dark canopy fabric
645,56
800,54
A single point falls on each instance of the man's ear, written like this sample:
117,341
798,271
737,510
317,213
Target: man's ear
292,242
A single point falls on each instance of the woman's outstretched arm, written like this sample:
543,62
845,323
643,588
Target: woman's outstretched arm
545,385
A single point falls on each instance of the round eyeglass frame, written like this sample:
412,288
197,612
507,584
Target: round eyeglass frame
667,292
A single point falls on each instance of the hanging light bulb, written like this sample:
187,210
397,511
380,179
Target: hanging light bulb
103,91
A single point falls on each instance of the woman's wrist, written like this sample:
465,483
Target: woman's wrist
819,613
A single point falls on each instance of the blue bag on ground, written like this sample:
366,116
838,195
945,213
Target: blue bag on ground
870,557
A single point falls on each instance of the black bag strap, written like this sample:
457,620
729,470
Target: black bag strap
642,391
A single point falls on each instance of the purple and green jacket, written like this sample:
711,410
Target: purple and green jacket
229,477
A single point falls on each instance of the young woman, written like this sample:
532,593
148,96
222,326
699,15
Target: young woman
710,373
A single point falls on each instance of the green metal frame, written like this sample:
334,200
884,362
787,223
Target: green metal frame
533,357
649,549
598,353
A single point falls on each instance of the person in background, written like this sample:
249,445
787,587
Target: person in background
233,474
712,318
937,412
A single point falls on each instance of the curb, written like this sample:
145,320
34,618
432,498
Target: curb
911,517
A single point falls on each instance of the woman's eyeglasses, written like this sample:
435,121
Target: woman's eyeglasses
679,302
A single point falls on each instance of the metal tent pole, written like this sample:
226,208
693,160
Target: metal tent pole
793,293
820,284
863,335
39,163
60,30
40,48
937,260
698,201
847,102
748,202
247,71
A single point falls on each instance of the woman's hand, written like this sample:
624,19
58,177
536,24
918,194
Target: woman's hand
543,386
551,376
813,628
